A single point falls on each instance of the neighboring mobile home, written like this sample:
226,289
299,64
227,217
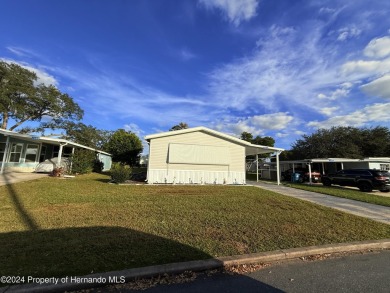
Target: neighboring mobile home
24,153
200,156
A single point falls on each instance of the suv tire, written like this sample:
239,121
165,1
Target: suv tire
326,182
365,187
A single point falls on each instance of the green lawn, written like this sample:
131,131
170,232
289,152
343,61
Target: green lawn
55,227
345,193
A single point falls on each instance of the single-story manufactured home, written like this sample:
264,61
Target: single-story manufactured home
25,153
200,155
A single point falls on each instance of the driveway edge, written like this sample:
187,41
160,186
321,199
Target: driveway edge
102,279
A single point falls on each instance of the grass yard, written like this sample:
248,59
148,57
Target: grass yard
345,193
56,227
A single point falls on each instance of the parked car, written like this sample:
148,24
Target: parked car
365,179
304,175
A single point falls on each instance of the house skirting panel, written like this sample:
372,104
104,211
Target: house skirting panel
158,176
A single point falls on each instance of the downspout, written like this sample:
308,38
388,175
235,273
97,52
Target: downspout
4,155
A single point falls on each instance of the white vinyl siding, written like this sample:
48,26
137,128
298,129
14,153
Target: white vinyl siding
159,150
196,157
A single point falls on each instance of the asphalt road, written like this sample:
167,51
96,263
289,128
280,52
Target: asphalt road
369,272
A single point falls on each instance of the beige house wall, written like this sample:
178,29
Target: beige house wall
160,171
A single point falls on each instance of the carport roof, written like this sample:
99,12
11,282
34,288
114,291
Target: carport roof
250,149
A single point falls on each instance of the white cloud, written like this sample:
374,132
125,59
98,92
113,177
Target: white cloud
281,134
286,70
348,33
378,48
235,10
257,125
377,113
341,92
186,55
22,52
134,128
299,132
326,10
276,121
328,111
365,68
379,87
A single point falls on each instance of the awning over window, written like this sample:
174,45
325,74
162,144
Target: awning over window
198,154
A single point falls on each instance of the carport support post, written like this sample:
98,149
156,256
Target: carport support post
277,168
4,155
59,155
257,167
310,182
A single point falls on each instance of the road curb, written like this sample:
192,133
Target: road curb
199,265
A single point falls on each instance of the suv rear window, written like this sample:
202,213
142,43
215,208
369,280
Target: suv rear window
357,172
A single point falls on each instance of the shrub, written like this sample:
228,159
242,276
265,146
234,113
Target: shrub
120,173
57,172
83,161
98,166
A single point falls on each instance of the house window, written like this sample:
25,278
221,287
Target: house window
56,150
31,153
66,151
16,152
43,153
385,167
2,150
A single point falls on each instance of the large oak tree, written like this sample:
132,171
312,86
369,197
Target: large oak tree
23,98
343,142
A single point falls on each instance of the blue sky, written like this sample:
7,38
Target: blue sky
279,68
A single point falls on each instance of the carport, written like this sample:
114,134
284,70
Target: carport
332,165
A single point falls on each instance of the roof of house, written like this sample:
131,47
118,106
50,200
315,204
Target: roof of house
250,149
50,140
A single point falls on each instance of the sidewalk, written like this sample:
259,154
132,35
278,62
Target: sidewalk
9,178
362,209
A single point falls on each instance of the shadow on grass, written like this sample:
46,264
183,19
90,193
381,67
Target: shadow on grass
81,251
26,218
94,250
104,180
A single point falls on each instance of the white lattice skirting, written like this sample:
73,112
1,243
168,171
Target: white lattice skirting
157,176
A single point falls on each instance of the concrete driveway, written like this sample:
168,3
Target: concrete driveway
362,209
9,178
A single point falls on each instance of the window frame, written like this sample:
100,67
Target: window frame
36,155
11,152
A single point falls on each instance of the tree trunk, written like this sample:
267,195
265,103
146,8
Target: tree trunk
4,123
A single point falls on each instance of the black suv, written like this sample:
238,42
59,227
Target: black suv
364,179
